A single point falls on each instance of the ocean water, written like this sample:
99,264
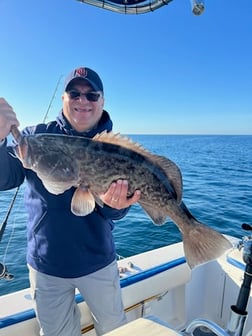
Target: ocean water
217,178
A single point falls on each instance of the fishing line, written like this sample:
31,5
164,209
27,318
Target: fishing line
4,274
11,236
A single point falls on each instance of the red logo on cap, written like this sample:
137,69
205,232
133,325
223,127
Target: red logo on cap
82,72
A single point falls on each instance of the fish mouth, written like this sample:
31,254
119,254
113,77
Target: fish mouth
22,150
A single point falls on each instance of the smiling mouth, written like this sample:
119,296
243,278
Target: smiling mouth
82,110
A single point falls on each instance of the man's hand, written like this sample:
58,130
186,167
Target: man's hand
116,196
7,118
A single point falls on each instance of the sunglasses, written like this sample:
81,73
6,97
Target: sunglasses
91,96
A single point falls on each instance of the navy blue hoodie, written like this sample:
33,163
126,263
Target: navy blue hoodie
60,243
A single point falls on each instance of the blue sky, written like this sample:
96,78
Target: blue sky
166,71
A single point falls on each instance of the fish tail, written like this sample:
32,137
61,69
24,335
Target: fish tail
202,244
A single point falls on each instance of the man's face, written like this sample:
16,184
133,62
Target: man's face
81,113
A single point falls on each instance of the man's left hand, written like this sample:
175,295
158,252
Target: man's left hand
116,196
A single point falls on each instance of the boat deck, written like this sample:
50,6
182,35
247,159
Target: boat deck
143,326
153,327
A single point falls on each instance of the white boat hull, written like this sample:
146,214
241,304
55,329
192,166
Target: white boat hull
157,283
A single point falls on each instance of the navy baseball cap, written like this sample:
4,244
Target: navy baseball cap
85,73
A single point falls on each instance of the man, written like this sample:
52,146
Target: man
65,251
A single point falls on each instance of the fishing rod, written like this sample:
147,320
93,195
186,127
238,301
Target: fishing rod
4,223
239,314
4,274
52,98
3,269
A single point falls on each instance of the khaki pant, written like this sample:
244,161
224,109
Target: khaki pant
55,306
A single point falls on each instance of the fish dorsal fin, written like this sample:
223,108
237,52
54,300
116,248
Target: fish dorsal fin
121,140
169,168
173,173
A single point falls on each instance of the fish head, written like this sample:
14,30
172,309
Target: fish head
46,155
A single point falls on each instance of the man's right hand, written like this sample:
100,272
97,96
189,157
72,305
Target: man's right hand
7,118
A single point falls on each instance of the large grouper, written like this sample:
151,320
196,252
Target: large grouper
91,165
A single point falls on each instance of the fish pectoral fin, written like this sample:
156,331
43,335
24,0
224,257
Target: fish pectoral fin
83,202
155,214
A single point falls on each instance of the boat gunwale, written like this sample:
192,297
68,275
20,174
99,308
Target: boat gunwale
125,282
